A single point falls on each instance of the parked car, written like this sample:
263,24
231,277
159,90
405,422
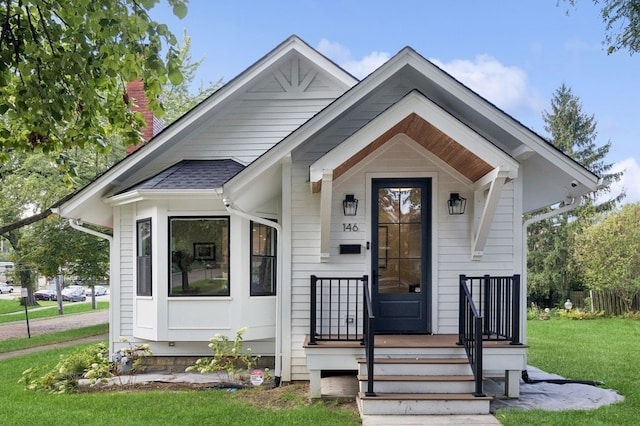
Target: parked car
73,294
48,293
6,288
78,287
99,290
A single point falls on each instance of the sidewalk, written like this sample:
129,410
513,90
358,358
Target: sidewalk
52,324
21,352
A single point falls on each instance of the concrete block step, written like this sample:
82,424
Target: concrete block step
419,384
422,404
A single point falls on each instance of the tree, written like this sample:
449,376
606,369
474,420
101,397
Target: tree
552,271
30,183
42,243
179,98
609,253
622,24
64,66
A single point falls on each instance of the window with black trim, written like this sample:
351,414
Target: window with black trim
263,260
143,257
199,256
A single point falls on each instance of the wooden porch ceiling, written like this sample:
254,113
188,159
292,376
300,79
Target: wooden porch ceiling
429,137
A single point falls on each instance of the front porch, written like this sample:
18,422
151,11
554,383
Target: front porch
420,373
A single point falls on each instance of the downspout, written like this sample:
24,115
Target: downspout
76,224
228,204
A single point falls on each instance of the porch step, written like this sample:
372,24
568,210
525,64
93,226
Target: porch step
417,366
419,384
422,404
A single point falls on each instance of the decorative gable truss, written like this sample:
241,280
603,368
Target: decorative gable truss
295,78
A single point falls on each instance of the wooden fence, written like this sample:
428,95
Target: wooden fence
605,301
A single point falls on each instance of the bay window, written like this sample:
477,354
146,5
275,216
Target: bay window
143,257
263,260
199,256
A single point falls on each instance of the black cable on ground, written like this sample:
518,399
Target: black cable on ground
529,381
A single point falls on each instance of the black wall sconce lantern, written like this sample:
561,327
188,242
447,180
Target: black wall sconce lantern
350,205
457,204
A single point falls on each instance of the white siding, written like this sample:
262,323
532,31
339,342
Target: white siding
451,235
124,306
256,118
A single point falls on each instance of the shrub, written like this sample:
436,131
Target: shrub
90,362
227,357
63,378
579,314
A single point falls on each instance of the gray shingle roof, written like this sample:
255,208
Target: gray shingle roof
191,174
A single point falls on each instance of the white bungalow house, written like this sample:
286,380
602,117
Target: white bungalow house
372,226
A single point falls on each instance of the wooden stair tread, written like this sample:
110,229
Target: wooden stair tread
416,361
424,396
418,378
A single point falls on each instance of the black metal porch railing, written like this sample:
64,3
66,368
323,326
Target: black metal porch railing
489,309
498,300
338,309
470,333
369,336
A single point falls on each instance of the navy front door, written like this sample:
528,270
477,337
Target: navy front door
401,254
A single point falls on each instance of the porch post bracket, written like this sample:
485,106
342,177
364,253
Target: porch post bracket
495,180
325,214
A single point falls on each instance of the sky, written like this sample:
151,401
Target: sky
514,53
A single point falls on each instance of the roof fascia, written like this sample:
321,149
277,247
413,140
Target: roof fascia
156,194
506,122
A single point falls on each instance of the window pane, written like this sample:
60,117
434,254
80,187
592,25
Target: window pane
143,257
199,256
263,260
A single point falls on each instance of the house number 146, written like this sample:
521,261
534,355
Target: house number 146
349,227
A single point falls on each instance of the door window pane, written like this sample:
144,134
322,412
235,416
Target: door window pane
399,240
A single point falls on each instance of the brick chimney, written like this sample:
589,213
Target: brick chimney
139,103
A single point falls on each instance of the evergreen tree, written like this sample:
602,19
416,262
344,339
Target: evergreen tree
552,271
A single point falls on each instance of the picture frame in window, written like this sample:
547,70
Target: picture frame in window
204,251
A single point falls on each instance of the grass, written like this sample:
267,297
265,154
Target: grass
19,343
11,310
599,349
184,407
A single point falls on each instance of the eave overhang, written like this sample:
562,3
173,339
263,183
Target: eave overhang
159,194
431,127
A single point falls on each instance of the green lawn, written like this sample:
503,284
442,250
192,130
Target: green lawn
11,310
208,407
602,349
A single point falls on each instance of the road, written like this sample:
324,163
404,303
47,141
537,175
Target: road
53,324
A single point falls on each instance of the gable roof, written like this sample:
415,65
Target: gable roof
86,203
542,165
548,168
